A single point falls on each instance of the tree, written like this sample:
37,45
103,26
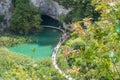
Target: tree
79,9
25,18
100,60
62,18
1,18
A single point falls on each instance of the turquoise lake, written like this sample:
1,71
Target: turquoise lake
47,40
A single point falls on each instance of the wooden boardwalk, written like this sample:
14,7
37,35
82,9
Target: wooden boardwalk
54,54
58,28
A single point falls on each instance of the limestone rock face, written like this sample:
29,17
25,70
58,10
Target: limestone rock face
47,7
5,13
50,8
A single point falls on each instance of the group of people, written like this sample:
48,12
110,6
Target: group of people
64,37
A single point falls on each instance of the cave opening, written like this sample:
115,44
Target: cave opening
49,21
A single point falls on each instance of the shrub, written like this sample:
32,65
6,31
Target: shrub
78,44
25,18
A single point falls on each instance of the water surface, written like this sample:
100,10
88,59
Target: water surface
47,40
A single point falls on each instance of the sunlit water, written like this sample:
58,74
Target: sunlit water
47,40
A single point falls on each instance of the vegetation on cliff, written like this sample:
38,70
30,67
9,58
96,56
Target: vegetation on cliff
79,9
93,53
25,18
1,18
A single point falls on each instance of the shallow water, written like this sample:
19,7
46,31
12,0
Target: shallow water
47,40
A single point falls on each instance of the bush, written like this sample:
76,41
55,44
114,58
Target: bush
80,9
100,60
78,44
25,18
8,41
19,67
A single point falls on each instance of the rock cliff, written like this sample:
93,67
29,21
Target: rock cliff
46,7
50,8
5,13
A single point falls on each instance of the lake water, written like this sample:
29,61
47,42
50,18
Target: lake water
47,40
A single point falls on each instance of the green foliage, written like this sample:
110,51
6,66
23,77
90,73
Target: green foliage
88,54
110,11
101,45
79,9
78,44
19,67
13,2
7,41
62,18
100,60
33,52
62,62
25,18
1,18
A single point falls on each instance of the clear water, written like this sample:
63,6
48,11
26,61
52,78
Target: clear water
47,40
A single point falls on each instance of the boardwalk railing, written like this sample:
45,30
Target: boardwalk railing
58,28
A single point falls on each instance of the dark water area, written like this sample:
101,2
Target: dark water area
46,20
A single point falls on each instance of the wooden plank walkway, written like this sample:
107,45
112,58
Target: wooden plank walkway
54,54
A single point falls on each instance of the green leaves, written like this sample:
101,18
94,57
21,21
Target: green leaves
78,44
79,9
19,67
25,18
8,41
118,28
100,60
1,18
